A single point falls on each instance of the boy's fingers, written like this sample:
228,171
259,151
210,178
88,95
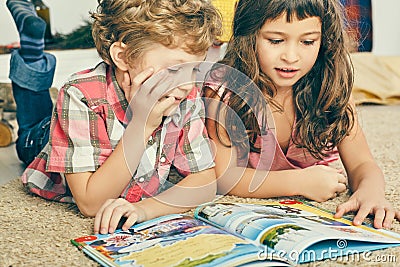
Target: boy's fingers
165,103
162,88
107,215
116,216
142,77
99,216
131,220
149,85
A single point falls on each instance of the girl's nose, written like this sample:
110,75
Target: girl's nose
290,54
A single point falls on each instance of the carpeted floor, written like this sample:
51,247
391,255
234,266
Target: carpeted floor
36,232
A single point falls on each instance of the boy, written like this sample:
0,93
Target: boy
110,156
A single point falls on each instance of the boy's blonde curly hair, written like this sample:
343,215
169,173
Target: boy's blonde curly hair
190,24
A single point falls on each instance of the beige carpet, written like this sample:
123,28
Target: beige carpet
36,232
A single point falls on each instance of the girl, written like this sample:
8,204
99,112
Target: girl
295,55
108,150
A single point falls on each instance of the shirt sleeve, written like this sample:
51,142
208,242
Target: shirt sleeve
193,153
78,138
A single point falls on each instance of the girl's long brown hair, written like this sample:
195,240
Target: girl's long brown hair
324,116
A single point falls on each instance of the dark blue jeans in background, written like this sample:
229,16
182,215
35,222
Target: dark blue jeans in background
30,84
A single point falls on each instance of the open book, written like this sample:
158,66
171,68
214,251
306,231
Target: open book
230,234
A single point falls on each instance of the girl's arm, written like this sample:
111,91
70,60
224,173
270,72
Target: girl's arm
193,190
317,182
366,181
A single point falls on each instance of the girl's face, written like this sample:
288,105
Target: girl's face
287,51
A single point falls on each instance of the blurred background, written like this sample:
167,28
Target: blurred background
68,15
65,16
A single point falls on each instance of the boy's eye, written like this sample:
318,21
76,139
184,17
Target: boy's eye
173,70
275,41
196,69
308,42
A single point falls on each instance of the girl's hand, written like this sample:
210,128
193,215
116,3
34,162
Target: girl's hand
111,213
322,183
369,202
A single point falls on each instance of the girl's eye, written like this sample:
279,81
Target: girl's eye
308,42
275,41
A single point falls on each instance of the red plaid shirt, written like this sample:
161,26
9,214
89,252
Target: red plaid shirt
89,121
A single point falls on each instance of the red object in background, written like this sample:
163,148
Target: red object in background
86,238
290,202
13,45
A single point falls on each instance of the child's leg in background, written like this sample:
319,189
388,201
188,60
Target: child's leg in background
31,73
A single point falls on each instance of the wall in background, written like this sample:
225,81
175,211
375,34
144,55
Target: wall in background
65,16
386,27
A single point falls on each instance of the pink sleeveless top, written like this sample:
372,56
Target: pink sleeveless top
272,156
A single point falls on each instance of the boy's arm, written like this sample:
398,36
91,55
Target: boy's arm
91,189
193,190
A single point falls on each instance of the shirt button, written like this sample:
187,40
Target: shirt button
150,141
162,159
141,180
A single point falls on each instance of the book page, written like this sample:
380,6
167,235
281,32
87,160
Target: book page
173,240
291,227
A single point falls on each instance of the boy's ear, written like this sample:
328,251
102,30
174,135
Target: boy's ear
117,54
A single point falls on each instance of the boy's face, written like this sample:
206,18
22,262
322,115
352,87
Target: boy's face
181,65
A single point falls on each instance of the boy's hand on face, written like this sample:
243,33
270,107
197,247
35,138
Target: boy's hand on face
113,210
146,96
366,202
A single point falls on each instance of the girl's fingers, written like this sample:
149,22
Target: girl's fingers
379,217
361,215
342,179
389,216
341,188
344,208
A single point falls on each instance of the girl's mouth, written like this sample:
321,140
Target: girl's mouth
286,72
